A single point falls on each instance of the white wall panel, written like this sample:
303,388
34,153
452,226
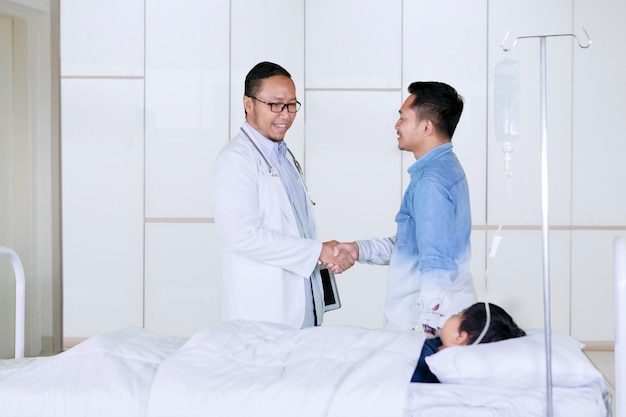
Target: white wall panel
478,262
362,291
452,49
593,284
353,44
340,54
353,174
528,18
187,103
182,277
515,277
269,30
102,37
352,168
599,194
102,175
7,188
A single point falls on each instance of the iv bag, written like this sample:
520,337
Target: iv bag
506,100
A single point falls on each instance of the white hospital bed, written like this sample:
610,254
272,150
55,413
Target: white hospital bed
244,368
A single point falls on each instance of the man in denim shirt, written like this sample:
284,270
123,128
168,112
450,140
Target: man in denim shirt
429,277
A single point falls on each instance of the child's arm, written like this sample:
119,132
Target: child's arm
422,372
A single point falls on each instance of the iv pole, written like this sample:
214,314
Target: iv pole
544,195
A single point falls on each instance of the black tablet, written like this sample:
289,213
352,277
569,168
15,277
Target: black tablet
331,295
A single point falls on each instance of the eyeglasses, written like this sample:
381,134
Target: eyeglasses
279,107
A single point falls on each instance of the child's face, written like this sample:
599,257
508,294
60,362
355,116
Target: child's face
450,334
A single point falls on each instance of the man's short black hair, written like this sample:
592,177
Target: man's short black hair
439,103
258,73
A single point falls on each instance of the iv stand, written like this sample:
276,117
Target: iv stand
544,196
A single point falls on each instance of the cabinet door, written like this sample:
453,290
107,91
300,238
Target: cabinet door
102,205
183,269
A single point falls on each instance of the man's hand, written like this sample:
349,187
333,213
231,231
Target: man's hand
351,248
336,260
430,315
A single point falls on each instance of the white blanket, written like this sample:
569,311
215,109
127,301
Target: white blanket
451,400
235,369
243,369
109,375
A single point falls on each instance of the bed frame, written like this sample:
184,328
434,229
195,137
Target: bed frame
20,300
619,245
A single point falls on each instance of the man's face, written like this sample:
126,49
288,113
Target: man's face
409,127
274,126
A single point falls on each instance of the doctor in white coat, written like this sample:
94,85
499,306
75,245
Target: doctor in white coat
264,216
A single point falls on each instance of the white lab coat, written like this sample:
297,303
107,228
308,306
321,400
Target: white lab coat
265,261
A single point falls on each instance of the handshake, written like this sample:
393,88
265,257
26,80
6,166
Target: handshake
339,256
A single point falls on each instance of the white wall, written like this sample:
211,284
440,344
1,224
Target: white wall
598,155
27,177
7,286
152,90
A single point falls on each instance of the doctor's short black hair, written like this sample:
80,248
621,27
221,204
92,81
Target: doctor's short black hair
439,103
258,73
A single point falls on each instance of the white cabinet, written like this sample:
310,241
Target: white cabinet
144,118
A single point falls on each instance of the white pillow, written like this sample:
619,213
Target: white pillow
516,363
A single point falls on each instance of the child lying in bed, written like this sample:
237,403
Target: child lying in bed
464,329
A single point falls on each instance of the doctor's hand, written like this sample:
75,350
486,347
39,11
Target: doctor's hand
335,260
351,247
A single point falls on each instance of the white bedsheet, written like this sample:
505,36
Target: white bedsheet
109,375
243,369
450,400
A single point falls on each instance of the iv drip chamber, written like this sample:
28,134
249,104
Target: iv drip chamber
506,100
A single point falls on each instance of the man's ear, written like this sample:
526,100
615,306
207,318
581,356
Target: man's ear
247,103
428,128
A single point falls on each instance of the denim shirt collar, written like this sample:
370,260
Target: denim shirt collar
429,156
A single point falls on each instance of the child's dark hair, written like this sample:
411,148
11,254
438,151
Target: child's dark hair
501,327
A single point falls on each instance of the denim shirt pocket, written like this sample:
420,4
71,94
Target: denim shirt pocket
405,229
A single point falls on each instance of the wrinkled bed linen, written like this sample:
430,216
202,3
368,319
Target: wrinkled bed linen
234,369
452,400
260,369
241,369
108,375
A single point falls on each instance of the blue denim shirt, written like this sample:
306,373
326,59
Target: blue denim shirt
429,255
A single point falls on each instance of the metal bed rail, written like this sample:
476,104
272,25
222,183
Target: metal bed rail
619,245
20,299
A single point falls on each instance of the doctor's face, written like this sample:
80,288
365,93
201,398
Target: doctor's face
277,90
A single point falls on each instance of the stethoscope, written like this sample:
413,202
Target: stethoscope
273,171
